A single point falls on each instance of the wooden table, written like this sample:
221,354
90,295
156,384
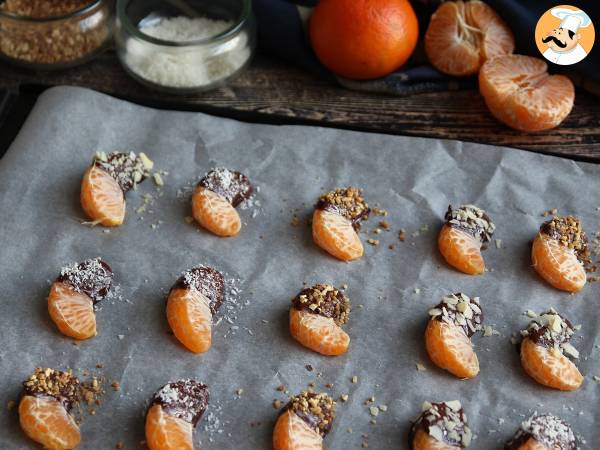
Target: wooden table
270,92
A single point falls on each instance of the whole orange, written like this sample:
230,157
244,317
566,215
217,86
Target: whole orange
363,39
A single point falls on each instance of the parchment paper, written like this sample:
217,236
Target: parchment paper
414,179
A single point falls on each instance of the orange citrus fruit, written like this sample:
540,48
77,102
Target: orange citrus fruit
318,333
519,92
557,264
215,213
363,39
47,422
71,311
462,35
461,250
334,234
423,441
293,433
190,318
102,198
451,349
548,368
166,432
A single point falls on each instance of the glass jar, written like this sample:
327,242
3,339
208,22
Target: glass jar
182,46
41,35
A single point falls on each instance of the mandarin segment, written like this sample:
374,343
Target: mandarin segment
461,250
71,311
318,333
215,213
165,432
451,349
422,441
101,197
190,318
46,421
557,264
334,234
293,433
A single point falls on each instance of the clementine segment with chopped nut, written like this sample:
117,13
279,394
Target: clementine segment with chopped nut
422,441
215,213
549,368
557,264
166,432
47,422
543,432
293,433
335,234
318,333
190,318
462,35
71,311
450,348
441,426
102,198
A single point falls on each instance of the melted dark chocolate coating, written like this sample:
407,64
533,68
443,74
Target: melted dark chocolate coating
67,395
184,399
208,281
92,277
334,304
356,219
232,185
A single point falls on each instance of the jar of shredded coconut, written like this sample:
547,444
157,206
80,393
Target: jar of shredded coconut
184,46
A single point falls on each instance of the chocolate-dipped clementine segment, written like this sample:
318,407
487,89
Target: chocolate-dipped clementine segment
543,432
174,413
44,409
448,335
73,295
559,251
215,198
462,237
545,343
107,180
336,221
316,318
441,426
192,302
304,422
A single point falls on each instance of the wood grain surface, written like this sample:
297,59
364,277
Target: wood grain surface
271,92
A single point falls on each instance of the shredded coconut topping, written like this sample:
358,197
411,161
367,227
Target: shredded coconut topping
547,430
92,277
186,399
234,186
471,219
206,280
445,422
461,310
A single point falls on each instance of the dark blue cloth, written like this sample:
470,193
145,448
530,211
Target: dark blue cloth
281,34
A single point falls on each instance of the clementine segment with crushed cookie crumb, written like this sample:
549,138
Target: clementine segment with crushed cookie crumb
558,253
462,237
336,221
73,294
304,422
543,352
174,412
191,304
316,318
44,409
215,198
448,334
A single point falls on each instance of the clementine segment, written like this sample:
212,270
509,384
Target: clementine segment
318,333
557,264
363,39
293,433
548,368
71,311
102,198
423,441
519,92
451,349
334,234
47,422
165,432
461,250
462,35
190,318
532,444
215,213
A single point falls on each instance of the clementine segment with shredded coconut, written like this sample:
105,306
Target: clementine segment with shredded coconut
461,250
552,369
46,421
335,234
451,349
318,333
166,432
557,264
462,35
190,318
293,433
532,444
215,213
102,198
71,311
520,93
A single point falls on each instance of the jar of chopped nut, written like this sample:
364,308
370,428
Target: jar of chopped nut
47,34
